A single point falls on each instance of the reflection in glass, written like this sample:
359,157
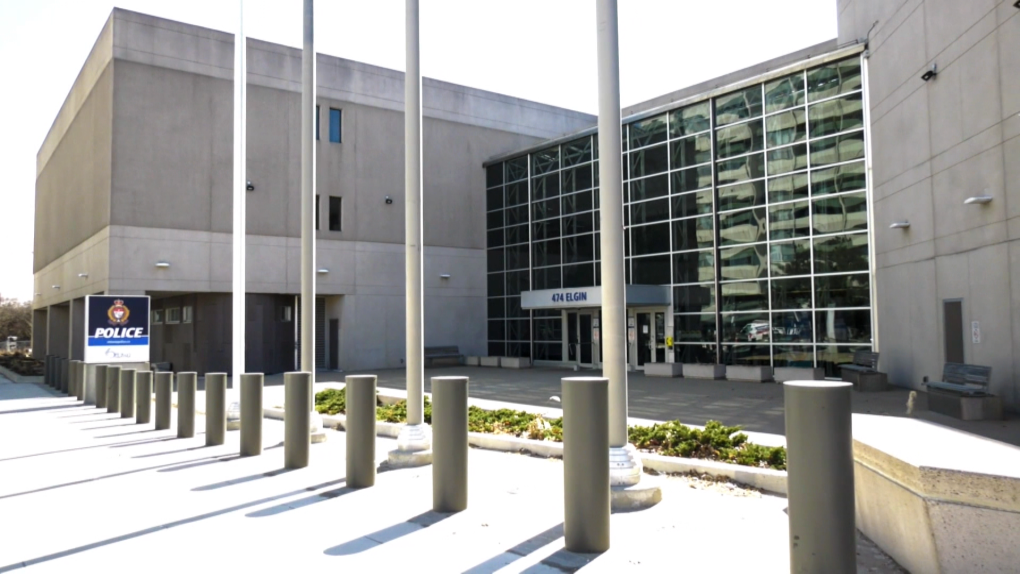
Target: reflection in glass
548,278
517,193
578,248
692,179
647,132
695,329
694,299
790,258
791,293
545,161
495,260
516,281
743,262
495,284
831,356
649,187
693,266
841,253
513,308
648,161
788,187
494,238
517,257
746,327
546,186
549,330
738,139
582,275
837,149
837,179
517,215
575,224
746,226
546,253
548,351
577,151
647,239
738,106
516,234
546,229
577,202
695,354
784,93
785,128
843,290
740,169
649,211
652,270
750,355
838,115
497,308
494,219
745,296
689,204
517,168
793,356
693,233
497,330
749,194
837,213
794,326
545,209
494,175
787,159
690,151
834,79
848,326
789,220
577,179
689,120
494,198
497,349
518,330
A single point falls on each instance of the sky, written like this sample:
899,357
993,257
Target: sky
541,50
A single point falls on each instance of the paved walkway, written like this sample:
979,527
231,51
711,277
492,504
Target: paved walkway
85,491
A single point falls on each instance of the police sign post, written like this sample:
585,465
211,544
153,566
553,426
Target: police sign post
117,329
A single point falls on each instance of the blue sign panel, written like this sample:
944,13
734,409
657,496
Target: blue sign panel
116,329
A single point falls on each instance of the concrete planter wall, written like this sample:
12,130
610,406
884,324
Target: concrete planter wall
515,362
471,361
754,374
663,369
15,377
783,374
704,371
489,361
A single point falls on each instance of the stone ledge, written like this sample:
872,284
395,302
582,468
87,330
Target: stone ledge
663,369
754,374
515,362
15,377
783,374
489,361
704,371
471,361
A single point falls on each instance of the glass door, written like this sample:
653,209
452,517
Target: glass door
584,338
644,338
660,337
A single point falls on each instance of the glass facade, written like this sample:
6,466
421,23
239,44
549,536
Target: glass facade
752,206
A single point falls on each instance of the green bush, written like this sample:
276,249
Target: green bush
715,442
331,401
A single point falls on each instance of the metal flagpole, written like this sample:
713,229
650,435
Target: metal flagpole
240,183
414,441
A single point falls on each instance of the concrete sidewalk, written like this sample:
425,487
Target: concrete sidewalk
83,490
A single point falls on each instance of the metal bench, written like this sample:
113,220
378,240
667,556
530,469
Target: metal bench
447,354
963,393
863,373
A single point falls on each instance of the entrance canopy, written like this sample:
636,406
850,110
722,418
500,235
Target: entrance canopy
578,297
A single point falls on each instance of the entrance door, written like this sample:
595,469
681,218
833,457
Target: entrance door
579,339
660,337
644,338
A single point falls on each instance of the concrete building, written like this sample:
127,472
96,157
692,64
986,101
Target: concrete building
760,205
136,170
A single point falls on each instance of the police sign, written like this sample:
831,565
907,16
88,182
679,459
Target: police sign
116,329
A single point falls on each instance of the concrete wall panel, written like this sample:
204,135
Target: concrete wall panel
901,138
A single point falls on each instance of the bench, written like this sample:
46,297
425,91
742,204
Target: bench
450,355
863,373
963,393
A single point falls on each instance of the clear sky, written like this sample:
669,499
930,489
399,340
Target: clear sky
542,50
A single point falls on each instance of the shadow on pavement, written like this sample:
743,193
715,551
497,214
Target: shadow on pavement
110,417
519,551
35,409
242,480
108,426
98,411
388,534
154,529
111,445
562,560
148,440
129,433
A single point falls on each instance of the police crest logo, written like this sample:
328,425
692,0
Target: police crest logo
118,313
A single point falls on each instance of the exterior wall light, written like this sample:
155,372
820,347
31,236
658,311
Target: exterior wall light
1016,4
389,200
900,225
323,270
162,264
931,73
978,200
38,294
56,286
83,275
444,275
249,186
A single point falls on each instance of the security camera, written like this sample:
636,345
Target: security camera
389,200
249,186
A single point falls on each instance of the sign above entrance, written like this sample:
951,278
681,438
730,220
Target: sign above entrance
578,297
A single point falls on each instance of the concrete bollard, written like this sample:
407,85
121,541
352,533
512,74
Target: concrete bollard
64,364
164,393
47,369
187,386
297,405
78,379
71,366
127,393
113,389
360,430
450,444
586,494
215,409
820,477
143,397
252,385
90,383
101,386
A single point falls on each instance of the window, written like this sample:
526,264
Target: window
316,123
157,316
316,212
334,125
335,209
173,316
186,314
286,313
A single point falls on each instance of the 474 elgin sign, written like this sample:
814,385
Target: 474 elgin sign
116,329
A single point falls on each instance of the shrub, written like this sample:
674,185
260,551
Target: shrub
715,442
331,401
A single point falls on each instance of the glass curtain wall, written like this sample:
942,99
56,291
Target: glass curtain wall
751,205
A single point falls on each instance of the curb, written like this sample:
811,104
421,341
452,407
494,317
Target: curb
16,378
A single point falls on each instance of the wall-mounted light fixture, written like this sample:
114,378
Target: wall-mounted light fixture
38,294
978,200
249,186
1016,4
444,275
389,200
162,264
83,275
56,286
323,270
900,225
930,73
